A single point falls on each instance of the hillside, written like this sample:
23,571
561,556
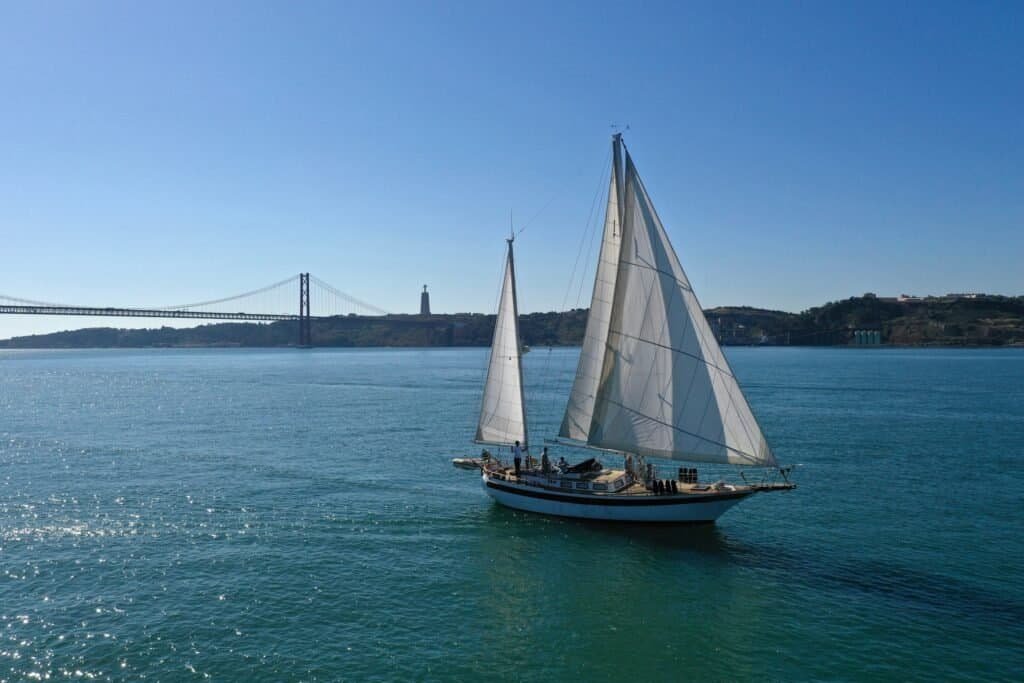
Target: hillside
938,321
463,329
933,321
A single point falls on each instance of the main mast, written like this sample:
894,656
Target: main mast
519,343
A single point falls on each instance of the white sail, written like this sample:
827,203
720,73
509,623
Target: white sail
666,389
580,409
502,412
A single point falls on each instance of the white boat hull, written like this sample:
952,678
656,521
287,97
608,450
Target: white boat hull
687,508
466,463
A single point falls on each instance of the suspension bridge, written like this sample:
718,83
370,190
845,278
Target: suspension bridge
315,299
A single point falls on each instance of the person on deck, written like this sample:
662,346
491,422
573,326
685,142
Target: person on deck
545,463
517,456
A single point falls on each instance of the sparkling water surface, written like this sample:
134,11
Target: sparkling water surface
269,515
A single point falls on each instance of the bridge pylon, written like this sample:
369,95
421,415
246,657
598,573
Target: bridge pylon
305,319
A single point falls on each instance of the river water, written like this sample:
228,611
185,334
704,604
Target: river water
290,514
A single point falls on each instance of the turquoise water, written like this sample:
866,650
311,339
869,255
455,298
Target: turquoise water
292,515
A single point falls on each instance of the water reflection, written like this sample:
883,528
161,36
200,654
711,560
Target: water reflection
574,557
596,585
706,539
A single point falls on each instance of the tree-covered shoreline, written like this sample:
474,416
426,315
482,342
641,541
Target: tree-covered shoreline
982,320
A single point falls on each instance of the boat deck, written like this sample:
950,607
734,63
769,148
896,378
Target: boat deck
588,483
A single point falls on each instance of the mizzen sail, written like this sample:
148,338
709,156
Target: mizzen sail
502,412
665,389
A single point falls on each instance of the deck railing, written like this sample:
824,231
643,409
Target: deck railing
539,480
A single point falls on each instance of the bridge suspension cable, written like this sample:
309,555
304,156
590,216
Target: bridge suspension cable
276,301
28,302
345,297
261,290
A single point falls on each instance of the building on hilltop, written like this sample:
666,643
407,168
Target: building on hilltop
424,302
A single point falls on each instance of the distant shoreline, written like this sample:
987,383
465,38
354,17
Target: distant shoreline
980,321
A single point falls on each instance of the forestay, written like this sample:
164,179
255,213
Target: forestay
665,389
502,412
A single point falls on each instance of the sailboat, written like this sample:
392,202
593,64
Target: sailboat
651,384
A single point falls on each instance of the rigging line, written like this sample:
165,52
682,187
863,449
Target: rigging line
555,194
596,228
724,371
593,236
742,454
683,285
261,290
590,225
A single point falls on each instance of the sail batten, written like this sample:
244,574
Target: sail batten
665,388
682,284
502,408
753,459
727,372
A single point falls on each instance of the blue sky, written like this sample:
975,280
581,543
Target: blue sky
158,153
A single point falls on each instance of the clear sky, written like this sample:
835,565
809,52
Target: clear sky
163,152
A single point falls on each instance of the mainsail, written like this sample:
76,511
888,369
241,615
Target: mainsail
665,388
502,412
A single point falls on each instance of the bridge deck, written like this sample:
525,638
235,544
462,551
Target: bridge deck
141,313
207,315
